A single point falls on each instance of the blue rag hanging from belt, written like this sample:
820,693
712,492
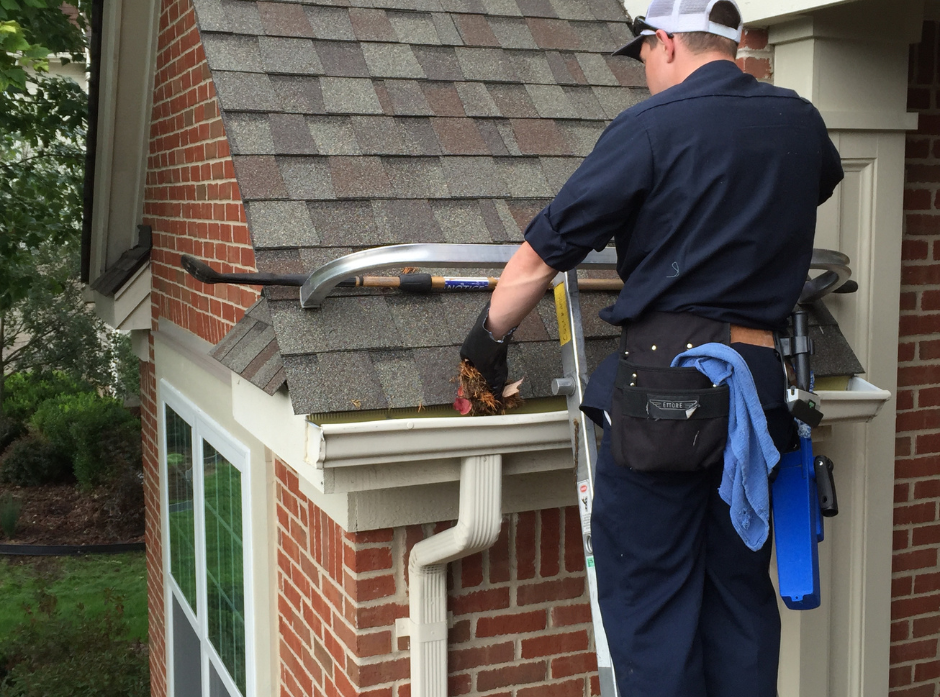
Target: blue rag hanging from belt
750,454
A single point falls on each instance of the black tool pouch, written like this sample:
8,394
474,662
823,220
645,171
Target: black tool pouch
667,419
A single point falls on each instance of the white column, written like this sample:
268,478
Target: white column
851,61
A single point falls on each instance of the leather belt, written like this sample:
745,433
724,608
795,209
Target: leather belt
749,335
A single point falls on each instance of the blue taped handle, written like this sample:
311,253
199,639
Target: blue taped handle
797,528
466,283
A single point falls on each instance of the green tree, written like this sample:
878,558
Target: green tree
44,322
31,31
50,328
43,120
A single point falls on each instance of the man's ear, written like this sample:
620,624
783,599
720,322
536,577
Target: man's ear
668,44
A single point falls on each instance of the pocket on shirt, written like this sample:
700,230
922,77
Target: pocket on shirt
667,419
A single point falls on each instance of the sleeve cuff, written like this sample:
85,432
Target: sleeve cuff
551,246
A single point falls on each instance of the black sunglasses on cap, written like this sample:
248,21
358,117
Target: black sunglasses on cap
633,48
639,25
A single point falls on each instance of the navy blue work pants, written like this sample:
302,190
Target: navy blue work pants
688,609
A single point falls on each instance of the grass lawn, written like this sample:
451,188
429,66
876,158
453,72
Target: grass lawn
75,580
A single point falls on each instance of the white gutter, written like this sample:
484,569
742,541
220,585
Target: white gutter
477,528
859,403
409,440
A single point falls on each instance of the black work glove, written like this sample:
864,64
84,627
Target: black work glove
488,355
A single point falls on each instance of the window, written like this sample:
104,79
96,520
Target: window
224,554
180,514
205,514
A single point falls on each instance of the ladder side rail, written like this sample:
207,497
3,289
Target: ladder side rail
584,448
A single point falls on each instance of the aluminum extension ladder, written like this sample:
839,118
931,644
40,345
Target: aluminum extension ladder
315,287
584,449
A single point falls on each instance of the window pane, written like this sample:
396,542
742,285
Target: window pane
187,655
224,571
179,467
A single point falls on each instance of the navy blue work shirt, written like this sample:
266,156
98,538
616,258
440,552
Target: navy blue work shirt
709,190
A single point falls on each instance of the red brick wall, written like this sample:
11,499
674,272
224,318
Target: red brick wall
520,609
153,538
193,204
915,607
755,56
191,198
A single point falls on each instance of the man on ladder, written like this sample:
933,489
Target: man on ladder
709,190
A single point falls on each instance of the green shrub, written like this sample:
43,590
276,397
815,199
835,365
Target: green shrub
124,501
9,514
24,392
10,430
50,655
31,461
97,432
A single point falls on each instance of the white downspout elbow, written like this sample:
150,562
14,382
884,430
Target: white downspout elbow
478,524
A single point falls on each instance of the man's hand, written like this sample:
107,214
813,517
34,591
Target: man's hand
487,355
521,285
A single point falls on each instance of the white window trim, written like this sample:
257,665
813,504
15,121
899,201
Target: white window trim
204,429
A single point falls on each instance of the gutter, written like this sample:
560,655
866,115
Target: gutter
410,440
389,441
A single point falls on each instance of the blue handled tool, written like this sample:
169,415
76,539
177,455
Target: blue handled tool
804,490
798,528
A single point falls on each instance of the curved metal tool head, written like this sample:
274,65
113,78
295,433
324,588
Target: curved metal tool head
836,274
200,270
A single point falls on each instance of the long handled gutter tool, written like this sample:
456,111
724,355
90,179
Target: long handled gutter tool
407,282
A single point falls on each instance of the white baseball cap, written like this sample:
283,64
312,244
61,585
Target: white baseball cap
676,17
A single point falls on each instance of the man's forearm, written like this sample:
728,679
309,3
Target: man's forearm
521,286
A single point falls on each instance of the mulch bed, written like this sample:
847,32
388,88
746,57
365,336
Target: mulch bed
66,515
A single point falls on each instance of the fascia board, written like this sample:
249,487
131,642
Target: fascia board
340,480
107,104
760,12
123,310
271,419
128,57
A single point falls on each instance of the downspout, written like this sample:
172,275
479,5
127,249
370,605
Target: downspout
478,524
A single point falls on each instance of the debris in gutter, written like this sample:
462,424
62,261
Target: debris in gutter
474,397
